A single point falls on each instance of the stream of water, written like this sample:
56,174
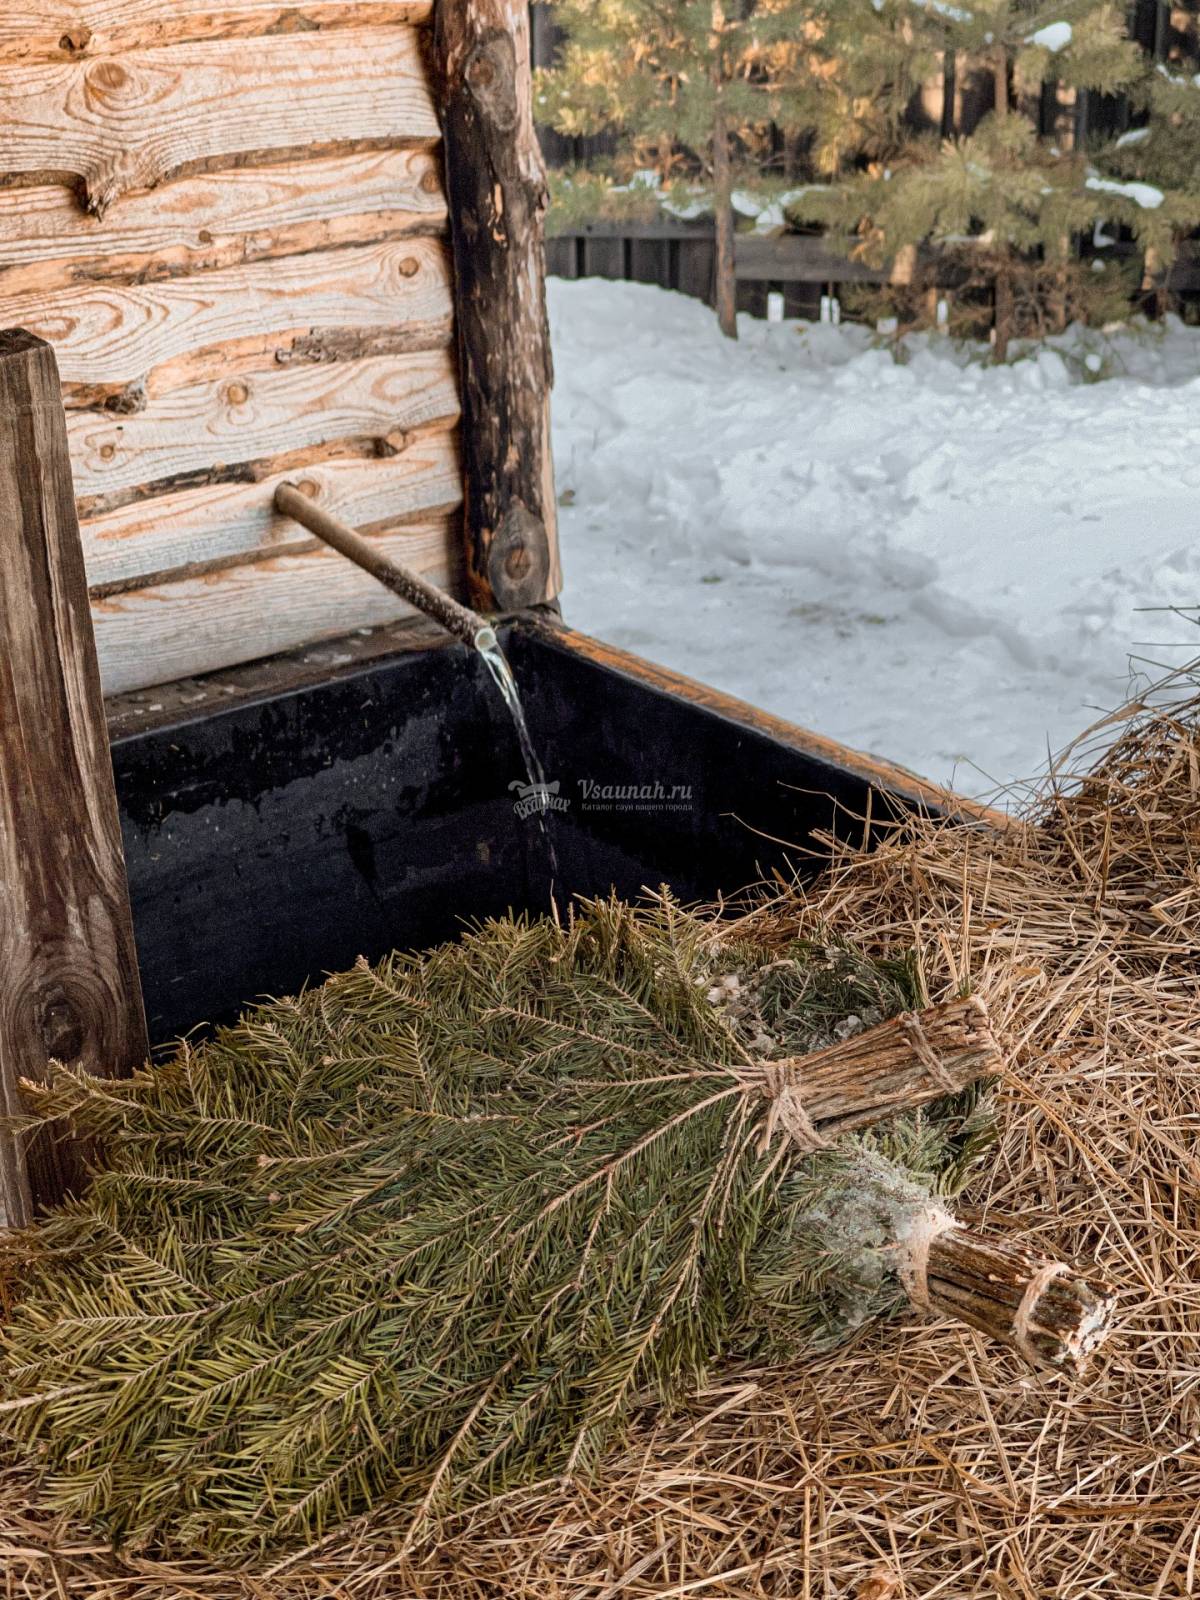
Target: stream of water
496,662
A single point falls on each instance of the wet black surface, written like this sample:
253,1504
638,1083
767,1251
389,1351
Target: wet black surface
279,839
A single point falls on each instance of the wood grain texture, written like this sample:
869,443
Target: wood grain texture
121,123
64,30
220,427
225,521
496,183
109,337
191,625
218,219
70,989
1052,1314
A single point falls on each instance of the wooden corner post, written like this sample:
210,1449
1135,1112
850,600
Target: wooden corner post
496,186
69,987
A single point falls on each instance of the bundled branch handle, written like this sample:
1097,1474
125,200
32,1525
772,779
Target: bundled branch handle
896,1066
1052,1314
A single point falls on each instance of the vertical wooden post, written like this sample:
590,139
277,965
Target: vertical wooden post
69,986
496,185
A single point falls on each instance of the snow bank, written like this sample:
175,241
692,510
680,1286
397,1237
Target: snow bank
936,560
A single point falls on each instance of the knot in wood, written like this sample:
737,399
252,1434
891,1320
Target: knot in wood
519,560
106,78
58,1024
491,77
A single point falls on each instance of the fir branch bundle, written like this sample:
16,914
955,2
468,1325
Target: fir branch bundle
437,1228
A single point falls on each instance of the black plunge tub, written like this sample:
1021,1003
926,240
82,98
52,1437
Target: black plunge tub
282,820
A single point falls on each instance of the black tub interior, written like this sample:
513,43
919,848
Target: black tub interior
277,839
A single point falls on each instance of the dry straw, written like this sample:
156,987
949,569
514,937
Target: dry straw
919,1461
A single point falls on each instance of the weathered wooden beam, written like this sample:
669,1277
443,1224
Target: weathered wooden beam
128,123
70,988
798,258
188,624
496,185
119,345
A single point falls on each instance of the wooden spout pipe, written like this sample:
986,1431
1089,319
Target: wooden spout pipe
402,581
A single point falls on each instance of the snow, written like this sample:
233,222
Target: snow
936,560
1055,36
1134,136
1142,194
954,13
1172,77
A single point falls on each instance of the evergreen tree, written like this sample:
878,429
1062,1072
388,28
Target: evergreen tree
1006,200
691,87
1159,163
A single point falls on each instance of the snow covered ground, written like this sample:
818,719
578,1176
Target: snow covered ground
936,560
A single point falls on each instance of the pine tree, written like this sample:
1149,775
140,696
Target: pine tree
689,87
1159,164
1005,202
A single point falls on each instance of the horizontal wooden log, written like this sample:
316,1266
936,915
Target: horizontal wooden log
220,427
218,219
111,338
231,521
123,123
220,618
58,30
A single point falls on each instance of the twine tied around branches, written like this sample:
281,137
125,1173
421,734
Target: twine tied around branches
781,1089
1024,1326
910,1021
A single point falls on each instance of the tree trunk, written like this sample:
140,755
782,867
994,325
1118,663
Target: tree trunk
496,186
1154,282
1000,84
1004,308
1004,287
726,279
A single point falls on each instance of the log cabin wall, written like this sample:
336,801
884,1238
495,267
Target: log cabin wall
229,219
